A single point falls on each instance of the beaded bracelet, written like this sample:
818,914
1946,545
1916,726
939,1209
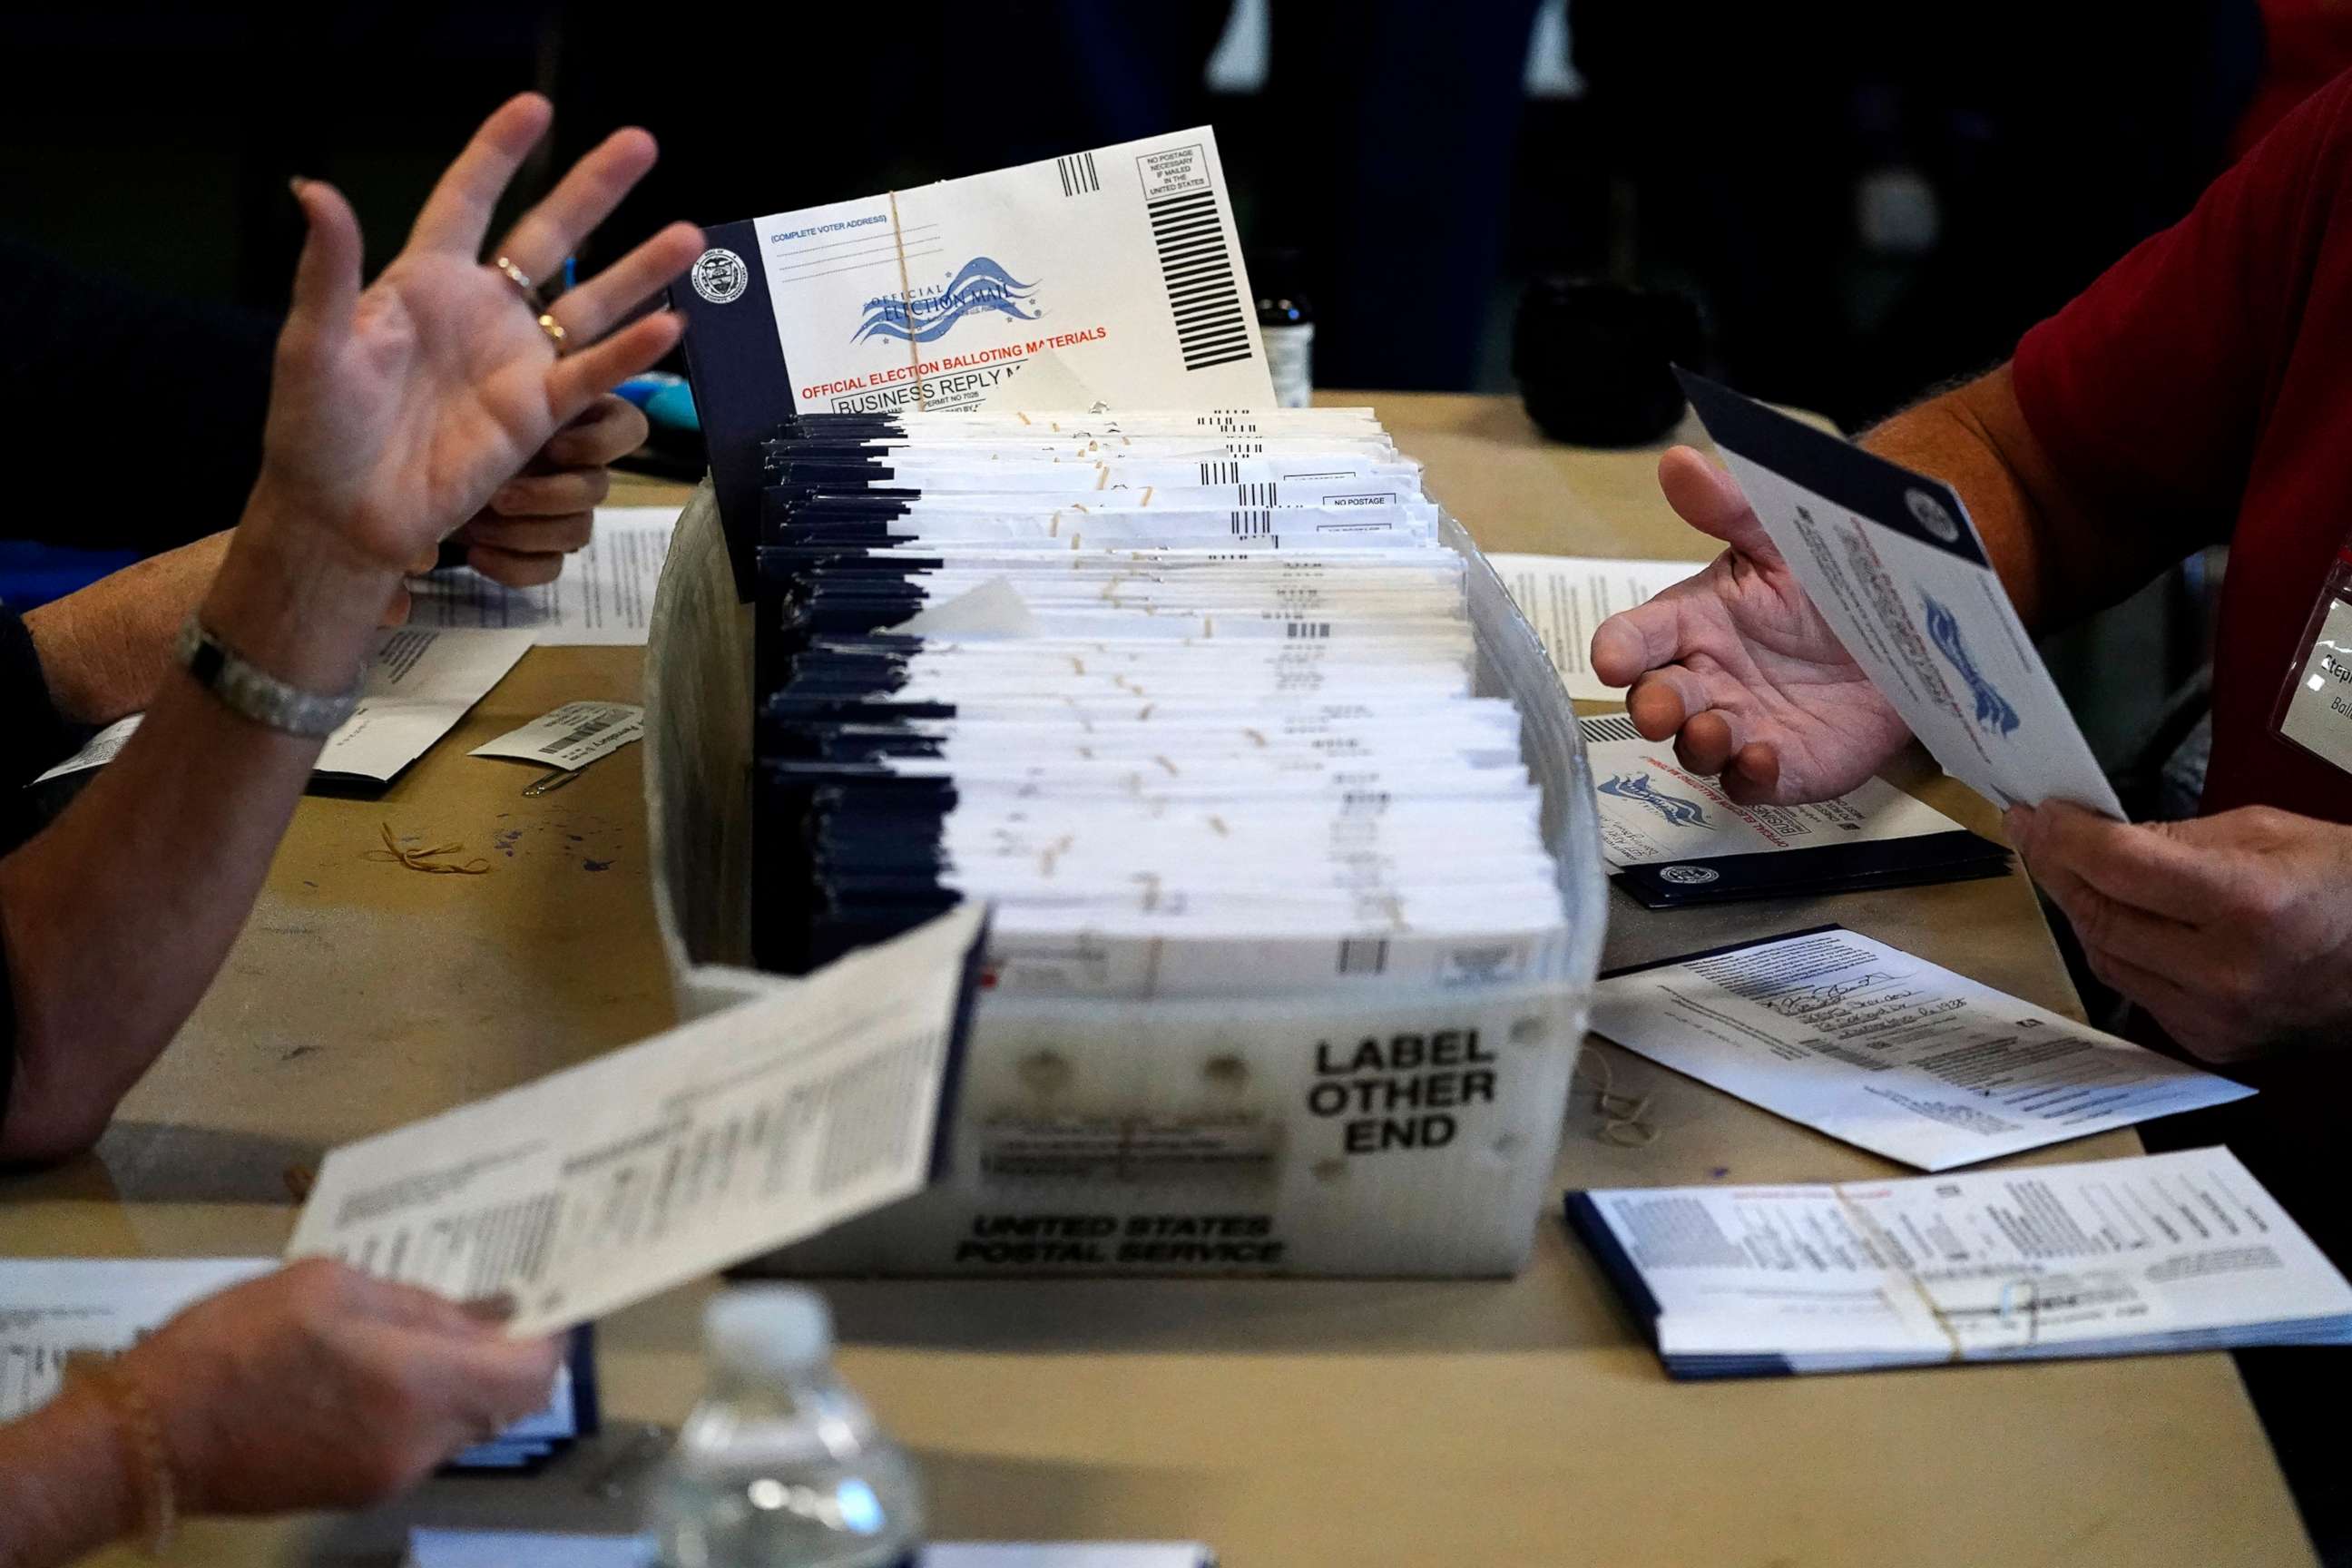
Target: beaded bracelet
143,1444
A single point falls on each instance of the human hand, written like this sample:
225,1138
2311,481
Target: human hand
397,410
1739,666
543,514
318,1386
2233,931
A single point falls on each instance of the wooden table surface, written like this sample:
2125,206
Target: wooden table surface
1519,1421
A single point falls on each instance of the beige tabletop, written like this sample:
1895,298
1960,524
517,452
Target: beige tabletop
1515,1422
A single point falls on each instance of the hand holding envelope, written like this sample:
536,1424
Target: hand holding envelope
1737,666
2227,928
1857,601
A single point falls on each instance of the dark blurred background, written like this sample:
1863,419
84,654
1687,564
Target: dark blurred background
1863,200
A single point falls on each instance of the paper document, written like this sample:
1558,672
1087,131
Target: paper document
1895,565
1122,261
1122,264
101,749
606,1182
2161,1252
570,736
1889,1052
51,1306
1565,598
1654,809
419,684
605,595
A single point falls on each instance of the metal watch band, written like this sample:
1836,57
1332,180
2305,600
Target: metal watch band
252,693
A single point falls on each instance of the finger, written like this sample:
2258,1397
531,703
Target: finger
1638,639
584,197
1708,742
532,536
457,214
515,569
2103,922
491,1379
1754,776
2193,1020
591,308
498,1308
2143,866
611,429
408,1307
1708,499
563,494
573,381
327,277
1663,700
397,608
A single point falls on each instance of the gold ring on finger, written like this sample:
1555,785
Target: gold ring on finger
521,280
555,332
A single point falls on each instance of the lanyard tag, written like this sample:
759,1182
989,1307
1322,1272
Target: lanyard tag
2315,710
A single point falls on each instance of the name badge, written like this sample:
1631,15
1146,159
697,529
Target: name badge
2314,711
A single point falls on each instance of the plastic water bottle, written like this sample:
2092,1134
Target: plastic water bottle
782,1466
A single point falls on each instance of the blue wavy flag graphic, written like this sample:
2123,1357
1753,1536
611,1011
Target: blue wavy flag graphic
1678,811
982,286
1993,713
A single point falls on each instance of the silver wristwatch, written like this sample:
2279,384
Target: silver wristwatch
252,693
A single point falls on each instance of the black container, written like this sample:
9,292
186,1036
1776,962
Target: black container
1594,359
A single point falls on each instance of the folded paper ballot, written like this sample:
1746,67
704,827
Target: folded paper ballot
602,1184
429,1548
1674,837
1189,734
1122,264
1896,566
420,683
1889,1052
2130,1257
51,1308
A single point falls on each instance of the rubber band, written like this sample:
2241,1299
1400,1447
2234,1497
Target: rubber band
907,295
421,859
1621,1115
1863,1227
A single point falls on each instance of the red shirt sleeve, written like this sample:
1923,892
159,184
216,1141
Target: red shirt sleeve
2149,390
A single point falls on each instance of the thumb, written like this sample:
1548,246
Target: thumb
327,278
1708,499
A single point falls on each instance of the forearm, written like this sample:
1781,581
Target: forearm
64,1491
117,916
105,648
2058,561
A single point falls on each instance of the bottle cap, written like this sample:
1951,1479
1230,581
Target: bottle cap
768,1328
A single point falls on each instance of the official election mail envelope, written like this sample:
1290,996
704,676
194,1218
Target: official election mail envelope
1121,263
1896,568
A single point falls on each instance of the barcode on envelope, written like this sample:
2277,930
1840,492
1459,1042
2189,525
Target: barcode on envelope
1079,176
590,731
1198,272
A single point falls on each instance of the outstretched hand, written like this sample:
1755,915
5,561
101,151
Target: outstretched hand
1737,666
399,408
